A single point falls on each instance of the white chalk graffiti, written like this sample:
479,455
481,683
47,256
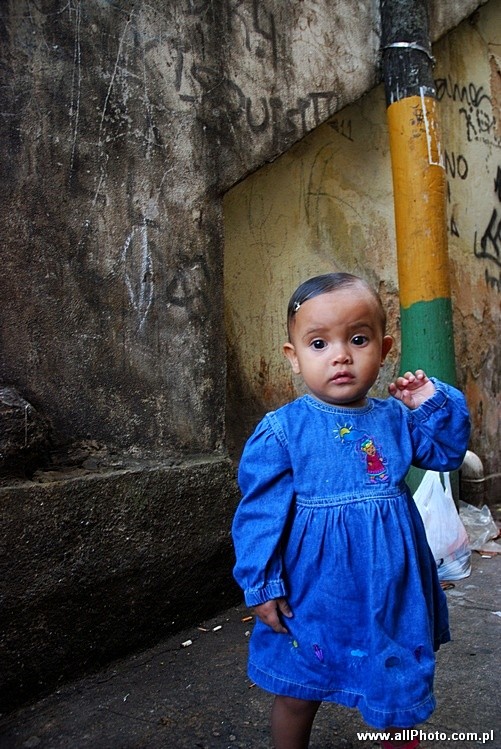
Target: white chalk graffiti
76,84
138,271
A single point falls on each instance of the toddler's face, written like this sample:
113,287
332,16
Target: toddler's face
337,345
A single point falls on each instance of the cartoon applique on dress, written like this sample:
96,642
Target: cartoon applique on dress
373,459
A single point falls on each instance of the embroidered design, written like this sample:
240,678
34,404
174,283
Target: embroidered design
319,653
375,463
294,646
347,433
359,653
358,659
365,444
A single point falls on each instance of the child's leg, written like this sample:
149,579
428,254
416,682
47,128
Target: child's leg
291,722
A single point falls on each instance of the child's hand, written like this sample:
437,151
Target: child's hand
412,389
269,613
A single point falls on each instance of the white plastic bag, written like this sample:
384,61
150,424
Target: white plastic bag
445,531
480,527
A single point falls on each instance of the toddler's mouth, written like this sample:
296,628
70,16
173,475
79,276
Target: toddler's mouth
342,377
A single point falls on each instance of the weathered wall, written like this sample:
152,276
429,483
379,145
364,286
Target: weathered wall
122,126
328,204
99,565
111,257
470,95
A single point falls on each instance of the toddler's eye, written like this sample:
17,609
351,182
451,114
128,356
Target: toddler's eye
359,340
318,344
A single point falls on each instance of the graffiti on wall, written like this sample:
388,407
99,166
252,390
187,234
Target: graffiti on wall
456,167
343,126
222,103
487,245
222,100
478,125
179,64
474,108
260,21
138,271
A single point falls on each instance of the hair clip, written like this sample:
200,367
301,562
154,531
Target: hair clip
296,307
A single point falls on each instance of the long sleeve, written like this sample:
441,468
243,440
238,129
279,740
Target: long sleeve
266,483
440,429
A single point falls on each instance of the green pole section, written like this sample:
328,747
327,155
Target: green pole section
427,339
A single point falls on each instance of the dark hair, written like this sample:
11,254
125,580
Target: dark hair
323,285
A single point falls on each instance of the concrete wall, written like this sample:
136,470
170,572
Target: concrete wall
327,204
122,126
470,95
99,565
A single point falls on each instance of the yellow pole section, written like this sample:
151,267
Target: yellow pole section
420,200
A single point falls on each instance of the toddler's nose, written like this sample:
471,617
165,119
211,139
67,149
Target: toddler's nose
341,354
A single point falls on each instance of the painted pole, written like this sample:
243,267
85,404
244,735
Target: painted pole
419,185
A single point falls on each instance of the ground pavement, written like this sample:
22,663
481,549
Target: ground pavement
199,696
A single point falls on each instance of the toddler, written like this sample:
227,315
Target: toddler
331,551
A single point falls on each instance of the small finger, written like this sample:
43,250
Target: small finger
277,625
284,607
271,619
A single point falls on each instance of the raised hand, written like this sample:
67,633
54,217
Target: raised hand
269,613
412,389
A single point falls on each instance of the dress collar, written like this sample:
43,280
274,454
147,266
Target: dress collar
331,408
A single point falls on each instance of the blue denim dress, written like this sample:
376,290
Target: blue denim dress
327,521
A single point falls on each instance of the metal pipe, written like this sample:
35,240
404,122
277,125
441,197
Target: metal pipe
419,184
